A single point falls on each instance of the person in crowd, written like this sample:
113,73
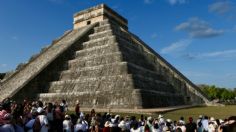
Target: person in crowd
170,124
205,123
191,126
58,117
181,125
212,125
67,124
64,106
135,127
43,117
141,121
6,120
77,108
181,120
106,127
122,125
161,121
155,127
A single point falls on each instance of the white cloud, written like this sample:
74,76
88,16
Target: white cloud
217,54
174,2
154,36
225,53
220,7
198,28
177,46
3,65
148,1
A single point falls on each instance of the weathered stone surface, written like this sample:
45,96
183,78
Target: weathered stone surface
19,79
103,66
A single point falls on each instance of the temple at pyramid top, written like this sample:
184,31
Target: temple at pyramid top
97,14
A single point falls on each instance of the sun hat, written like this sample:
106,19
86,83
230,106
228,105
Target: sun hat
107,124
117,116
168,120
212,119
149,118
40,110
67,116
221,121
122,125
160,116
200,116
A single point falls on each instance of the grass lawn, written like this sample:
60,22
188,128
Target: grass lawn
218,112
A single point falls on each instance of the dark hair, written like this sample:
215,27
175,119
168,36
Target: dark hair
232,118
40,104
156,126
178,130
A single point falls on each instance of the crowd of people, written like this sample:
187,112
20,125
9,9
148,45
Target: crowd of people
37,116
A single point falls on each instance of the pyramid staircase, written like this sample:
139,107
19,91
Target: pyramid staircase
103,65
111,69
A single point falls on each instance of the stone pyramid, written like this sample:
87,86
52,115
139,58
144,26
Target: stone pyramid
102,64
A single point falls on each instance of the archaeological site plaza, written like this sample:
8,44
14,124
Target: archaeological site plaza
103,65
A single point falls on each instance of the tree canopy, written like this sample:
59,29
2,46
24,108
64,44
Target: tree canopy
214,92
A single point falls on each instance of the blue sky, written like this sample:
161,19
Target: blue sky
196,36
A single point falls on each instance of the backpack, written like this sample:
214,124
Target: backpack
37,125
199,123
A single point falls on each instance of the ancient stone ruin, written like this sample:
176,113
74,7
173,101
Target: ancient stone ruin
103,65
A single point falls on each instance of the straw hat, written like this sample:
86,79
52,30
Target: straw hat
160,116
107,124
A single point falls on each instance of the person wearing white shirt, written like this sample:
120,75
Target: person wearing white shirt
42,119
67,124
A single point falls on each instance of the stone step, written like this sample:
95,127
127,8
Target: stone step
128,43
137,58
116,98
99,42
130,54
106,33
93,99
95,71
151,98
94,60
98,50
105,22
135,69
117,82
110,69
125,81
104,28
113,23
144,82
108,48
